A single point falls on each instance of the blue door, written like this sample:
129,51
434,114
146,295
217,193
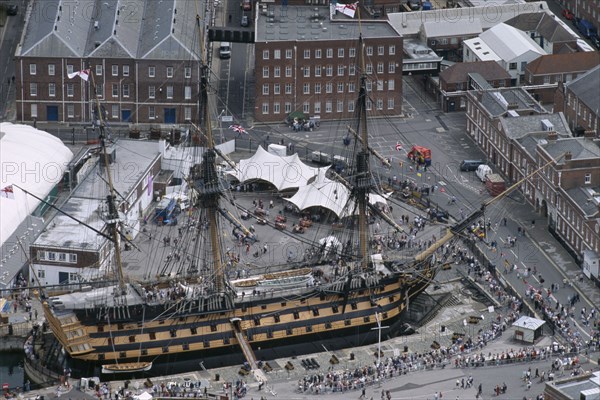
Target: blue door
125,115
169,115
52,113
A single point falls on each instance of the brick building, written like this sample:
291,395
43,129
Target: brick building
547,71
307,62
456,80
579,101
143,56
586,9
519,137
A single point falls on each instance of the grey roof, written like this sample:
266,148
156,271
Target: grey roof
409,23
133,160
299,23
161,29
433,29
521,126
586,198
580,148
545,25
585,88
496,101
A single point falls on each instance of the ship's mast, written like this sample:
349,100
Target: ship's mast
209,191
363,172
112,218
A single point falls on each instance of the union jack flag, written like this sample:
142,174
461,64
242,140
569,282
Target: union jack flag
238,128
347,9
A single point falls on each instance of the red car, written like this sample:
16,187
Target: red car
568,14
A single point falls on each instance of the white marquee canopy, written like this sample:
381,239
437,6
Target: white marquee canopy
333,195
283,172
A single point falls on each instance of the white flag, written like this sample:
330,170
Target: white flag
7,192
347,9
83,74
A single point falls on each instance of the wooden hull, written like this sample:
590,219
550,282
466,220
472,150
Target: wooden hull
274,327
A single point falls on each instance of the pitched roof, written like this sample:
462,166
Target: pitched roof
564,63
585,88
580,148
547,26
509,42
459,72
162,29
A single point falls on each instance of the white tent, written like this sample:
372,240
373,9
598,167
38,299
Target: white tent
143,396
32,159
283,172
333,195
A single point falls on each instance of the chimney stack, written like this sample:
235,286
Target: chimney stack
568,156
590,134
552,136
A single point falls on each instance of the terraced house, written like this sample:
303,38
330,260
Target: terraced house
141,55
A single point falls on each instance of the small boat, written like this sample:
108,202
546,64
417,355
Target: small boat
126,367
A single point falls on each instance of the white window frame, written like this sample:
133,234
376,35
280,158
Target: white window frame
340,70
276,108
169,92
329,53
98,69
169,72
187,92
277,54
125,90
318,53
391,84
32,69
380,50
288,107
69,68
187,72
34,110
288,54
265,72
266,55
265,89
115,70
115,111
318,88
306,88
115,90
306,54
277,71
52,89
392,50
317,107
352,52
341,52
265,108
70,110
151,92
51,69
369,50
151,71
70,90
151,112
125,70
276,88
187,113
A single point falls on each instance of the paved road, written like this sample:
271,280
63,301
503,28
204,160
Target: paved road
9,37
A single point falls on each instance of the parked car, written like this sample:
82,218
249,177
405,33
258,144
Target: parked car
12,10
568,14
470,165
245,21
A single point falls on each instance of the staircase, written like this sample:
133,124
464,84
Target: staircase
258,374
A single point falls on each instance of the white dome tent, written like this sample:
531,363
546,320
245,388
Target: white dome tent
33,160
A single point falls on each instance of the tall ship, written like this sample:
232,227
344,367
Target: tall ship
335,301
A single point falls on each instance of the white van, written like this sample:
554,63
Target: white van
225,50
482,171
